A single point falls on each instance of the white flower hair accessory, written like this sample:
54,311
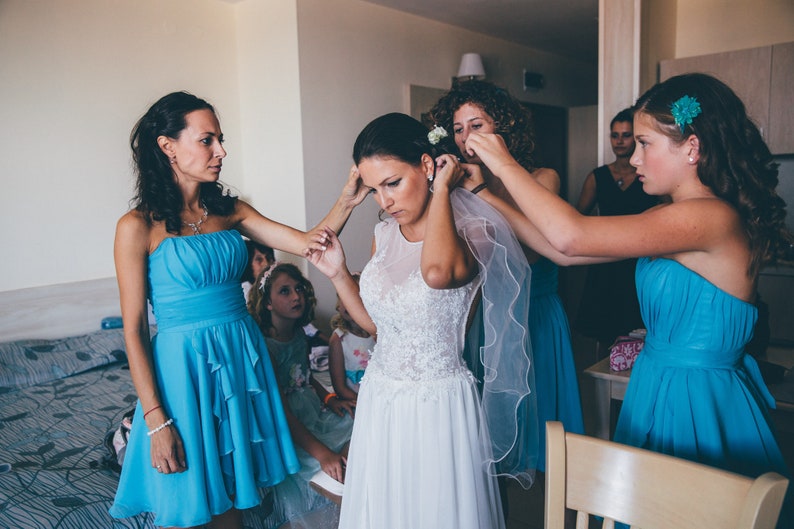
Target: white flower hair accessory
436,135
266,275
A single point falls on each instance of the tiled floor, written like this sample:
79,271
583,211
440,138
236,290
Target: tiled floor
525,507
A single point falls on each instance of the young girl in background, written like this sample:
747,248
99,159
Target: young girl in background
259,258
282,302
348,352
694,391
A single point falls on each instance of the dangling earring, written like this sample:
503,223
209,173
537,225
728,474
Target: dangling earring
430,177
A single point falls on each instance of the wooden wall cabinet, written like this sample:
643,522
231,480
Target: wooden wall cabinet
781,100
764,79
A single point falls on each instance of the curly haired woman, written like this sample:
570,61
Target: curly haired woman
482,107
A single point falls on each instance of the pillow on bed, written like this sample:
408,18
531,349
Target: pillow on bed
28,362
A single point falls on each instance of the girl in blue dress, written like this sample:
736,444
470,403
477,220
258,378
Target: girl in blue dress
282,302
694,392
209,427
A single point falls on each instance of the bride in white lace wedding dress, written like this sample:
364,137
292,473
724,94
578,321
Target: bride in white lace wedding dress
424,451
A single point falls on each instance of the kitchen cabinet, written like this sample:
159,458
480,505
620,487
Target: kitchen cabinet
781,100
762,77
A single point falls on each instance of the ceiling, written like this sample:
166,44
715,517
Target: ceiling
564,27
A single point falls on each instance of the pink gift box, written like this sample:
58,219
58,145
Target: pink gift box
624,352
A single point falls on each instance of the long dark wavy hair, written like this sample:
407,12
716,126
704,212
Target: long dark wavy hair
260,295
157,196
512,120
734,162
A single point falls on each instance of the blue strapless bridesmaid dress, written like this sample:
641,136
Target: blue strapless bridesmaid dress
694,392
216,381
555,372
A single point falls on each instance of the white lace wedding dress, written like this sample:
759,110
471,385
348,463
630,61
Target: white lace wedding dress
420,446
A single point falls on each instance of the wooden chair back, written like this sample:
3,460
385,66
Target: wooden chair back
649,490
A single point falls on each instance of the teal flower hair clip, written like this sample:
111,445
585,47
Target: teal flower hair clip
684,111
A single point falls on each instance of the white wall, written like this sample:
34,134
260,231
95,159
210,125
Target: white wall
76,75
293,82
272,151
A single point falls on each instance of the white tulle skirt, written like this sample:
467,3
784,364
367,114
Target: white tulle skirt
417,458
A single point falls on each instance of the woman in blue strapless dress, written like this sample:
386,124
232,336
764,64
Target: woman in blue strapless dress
209,427
694,391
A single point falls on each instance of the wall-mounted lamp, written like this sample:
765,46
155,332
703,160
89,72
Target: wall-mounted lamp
470,68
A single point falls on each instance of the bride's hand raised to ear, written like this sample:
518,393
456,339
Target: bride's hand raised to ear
491,149
354,192
331,260
448,172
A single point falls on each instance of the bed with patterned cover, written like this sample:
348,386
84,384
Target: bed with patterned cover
58,400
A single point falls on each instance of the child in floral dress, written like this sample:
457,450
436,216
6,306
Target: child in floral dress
282,302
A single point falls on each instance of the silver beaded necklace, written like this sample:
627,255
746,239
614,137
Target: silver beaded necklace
196,226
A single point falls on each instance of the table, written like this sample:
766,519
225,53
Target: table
612,385
608,385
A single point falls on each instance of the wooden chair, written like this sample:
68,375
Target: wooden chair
650,490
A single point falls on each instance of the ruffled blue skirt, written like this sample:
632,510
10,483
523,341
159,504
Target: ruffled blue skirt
217,383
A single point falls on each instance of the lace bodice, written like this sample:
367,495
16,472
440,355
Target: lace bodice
420,329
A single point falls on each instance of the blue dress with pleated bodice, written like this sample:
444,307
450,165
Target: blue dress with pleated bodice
216,381
694,392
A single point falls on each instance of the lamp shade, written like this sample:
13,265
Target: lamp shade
471,66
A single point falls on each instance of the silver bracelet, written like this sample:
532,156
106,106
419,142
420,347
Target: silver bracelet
167,423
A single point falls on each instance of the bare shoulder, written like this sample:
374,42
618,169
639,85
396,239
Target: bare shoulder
548,178
722,254
709,210
698,224
241,206
133,224
243,211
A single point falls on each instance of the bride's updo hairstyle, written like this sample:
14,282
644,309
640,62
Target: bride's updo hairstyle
394,135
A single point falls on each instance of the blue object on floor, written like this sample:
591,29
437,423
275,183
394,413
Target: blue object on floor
112,322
